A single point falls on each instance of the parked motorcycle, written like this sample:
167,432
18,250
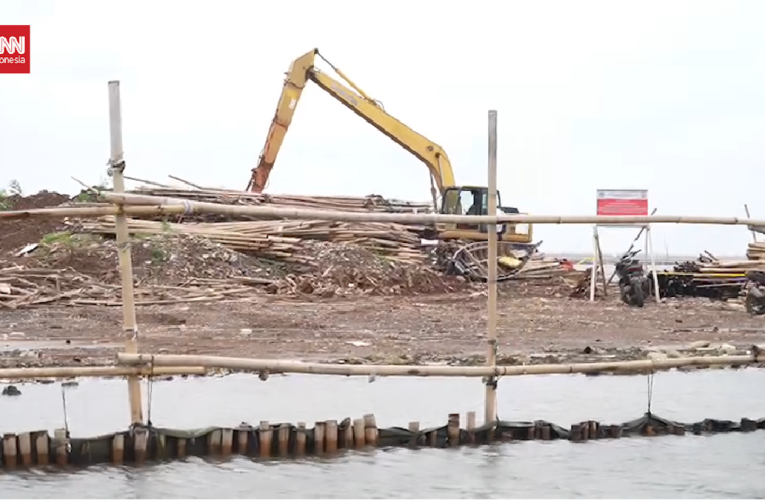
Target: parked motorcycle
634,286
755,292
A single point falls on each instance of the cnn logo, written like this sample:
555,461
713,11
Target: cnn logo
15,54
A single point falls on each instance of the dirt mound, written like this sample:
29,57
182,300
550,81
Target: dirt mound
42,199
157,260
18,233
348,269
326,269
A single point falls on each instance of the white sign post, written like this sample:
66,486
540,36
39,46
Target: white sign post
622,202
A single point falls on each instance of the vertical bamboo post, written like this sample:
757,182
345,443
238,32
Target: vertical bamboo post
242,438
140,445
414,428
453,429
265,434
283,439
330,434
116,168
25,448
318,438
370,429
359,433
118,449
346,441
300,439
491,358
10,450
226,441
42,442
214,442
61,439
471,426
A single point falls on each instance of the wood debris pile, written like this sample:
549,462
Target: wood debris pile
22,287
83,269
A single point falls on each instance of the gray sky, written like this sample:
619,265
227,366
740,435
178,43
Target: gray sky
662,95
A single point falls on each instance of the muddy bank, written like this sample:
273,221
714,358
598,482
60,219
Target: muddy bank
447,328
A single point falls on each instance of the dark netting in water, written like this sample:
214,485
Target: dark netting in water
142,443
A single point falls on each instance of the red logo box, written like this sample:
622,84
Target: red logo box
15,55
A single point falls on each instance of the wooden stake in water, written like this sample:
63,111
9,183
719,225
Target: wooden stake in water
116,168
491,357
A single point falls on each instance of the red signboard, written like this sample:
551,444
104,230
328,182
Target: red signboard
623,202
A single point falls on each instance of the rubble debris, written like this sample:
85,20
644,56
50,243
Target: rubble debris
189,258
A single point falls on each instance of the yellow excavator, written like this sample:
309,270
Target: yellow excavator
458,200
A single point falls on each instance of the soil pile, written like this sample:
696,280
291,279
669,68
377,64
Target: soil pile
18,233
166,259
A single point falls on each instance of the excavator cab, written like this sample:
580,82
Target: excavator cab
474,200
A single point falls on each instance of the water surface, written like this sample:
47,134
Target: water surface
728,466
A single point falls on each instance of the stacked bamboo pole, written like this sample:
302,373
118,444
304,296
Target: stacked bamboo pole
284,239
371,203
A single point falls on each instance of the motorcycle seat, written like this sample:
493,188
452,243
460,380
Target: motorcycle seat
756,276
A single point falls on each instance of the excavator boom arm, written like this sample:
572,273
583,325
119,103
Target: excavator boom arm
301,71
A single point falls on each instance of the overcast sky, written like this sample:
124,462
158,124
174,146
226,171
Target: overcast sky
662,95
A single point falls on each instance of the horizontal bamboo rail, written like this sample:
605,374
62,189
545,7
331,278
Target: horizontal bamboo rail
153,205
96,371
141,444
279,366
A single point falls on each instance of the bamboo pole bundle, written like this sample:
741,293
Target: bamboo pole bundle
279,366
284,240
756,251
373,203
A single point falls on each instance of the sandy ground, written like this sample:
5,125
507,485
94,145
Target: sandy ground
403,330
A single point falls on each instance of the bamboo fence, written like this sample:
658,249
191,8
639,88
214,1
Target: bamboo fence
327,438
